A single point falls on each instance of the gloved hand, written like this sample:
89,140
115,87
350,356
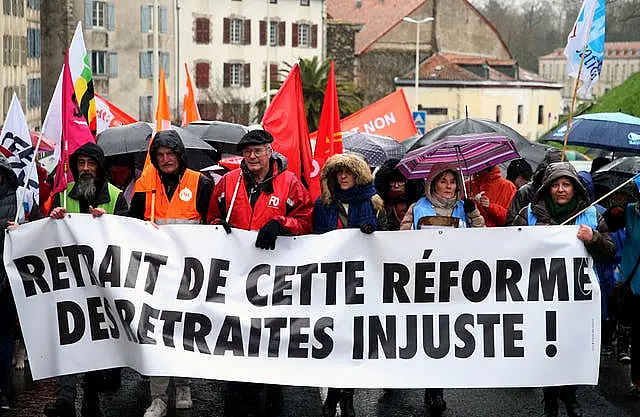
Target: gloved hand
267,235
469,205
225,225
615,217
367,228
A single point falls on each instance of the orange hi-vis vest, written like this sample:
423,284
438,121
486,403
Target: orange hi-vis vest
181,208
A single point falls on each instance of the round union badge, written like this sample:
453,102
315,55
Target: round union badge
186,194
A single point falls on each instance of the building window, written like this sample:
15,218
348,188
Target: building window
304,2
146,64
7,44
236,31
499,113
273,33
99,14
34,93
18,8
436,111
235,75
33,4
273,1
202,74
202,30
540,115
146,19
6,7
33,43
303,35
145,108
98,62
520,114
162,21
164,60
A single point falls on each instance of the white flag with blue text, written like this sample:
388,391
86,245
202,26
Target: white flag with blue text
588,30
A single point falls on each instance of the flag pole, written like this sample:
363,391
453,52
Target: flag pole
573,103
598,200
29,172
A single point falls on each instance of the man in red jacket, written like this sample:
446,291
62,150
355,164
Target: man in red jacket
493,194
261,195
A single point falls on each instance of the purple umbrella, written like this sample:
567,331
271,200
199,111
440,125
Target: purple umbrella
470,153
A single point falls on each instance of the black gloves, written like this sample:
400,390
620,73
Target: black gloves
267,235
225,225
469,205
616,218
367,228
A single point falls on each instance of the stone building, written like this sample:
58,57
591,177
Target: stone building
385,45
119,42
621,60
20,28
452,86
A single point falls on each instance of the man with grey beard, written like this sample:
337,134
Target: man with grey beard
90,193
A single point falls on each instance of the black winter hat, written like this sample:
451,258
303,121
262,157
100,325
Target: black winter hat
519,168
94,152
254,137
169,139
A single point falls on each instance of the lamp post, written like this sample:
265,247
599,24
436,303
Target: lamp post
417,23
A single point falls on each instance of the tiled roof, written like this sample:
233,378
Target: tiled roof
612,50
378,17
451,67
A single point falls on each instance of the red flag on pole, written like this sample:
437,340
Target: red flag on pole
75,130
329,138
190,111
285,119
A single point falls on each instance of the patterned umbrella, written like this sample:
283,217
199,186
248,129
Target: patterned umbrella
470,153
373,148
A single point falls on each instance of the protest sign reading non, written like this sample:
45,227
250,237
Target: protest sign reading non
449,308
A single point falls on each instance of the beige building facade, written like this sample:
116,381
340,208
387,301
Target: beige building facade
119,40
227,43
20,28
452,86
621,60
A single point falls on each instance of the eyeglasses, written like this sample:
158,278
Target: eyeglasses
258,152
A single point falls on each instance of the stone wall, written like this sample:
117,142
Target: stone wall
341,44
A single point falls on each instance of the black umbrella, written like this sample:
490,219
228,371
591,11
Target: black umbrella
374,149
532,152
134,139
612,175
223,136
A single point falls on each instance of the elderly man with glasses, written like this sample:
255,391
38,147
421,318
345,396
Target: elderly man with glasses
261,195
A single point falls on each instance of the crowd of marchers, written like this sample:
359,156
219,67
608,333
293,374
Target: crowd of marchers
263,196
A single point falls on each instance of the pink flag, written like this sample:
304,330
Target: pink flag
75,130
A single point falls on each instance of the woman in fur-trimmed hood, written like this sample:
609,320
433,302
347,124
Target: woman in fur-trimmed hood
397,192
348,198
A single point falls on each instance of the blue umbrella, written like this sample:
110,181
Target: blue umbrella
611,131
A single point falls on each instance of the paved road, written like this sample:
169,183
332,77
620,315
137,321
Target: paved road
609,399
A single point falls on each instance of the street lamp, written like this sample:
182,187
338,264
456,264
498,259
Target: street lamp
417,23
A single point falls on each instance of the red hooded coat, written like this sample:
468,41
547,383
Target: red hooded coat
498,190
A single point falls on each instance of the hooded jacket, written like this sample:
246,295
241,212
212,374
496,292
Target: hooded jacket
474,218
102,196
329,185
8,209
498,190
280,197
601,246
396,205
171,182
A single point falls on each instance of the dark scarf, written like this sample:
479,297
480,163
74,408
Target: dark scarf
255,188
360,212
560,213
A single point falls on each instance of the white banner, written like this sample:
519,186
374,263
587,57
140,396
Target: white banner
505,307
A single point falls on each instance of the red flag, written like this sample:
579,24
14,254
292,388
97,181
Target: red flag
329,139
190,111
109,115
285,120
75,130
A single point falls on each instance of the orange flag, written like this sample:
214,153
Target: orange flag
329,138
190,112
149,179
285,119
